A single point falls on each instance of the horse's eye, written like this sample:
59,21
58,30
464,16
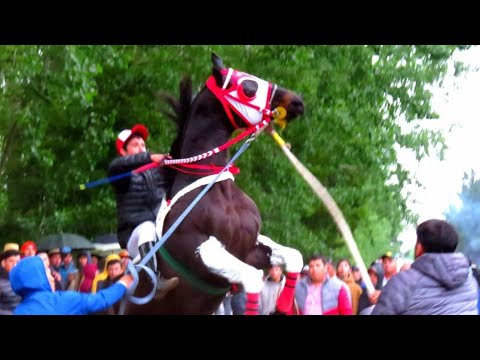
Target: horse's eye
249,88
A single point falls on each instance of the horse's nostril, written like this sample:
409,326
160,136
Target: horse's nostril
297,106
300,108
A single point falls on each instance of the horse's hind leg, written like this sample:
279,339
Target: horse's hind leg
293,265
220,262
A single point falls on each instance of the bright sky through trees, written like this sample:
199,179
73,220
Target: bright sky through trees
457,101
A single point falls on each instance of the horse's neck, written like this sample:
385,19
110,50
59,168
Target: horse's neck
208,127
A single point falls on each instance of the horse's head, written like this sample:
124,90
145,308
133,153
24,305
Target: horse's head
251,98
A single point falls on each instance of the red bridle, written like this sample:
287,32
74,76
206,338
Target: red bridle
251,109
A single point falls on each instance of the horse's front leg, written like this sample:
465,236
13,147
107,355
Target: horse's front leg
220,262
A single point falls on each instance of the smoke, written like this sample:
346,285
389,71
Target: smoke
466,220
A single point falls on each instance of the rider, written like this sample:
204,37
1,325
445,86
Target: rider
139,197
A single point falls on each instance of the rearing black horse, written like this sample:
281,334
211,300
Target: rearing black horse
218,242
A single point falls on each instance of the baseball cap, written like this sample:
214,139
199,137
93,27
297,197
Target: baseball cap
126,134
66,250
388,254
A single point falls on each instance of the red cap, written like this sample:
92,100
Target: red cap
125,135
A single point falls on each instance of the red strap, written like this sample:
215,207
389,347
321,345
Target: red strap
218,92
204,169
252,304
285,300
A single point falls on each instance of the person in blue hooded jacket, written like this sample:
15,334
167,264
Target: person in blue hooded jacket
32,280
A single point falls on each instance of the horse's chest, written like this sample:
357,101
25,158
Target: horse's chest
227,212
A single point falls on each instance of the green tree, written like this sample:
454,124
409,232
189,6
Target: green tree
62,106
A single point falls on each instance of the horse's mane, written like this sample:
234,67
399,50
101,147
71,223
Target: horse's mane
179,111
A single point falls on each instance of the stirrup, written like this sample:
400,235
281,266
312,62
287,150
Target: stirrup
143,250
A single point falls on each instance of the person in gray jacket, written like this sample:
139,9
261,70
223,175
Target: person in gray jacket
440,281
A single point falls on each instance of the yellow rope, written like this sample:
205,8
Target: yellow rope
330,204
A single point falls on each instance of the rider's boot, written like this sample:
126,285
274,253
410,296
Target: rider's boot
163,285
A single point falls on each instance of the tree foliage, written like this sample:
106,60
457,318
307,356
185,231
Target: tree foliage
62,106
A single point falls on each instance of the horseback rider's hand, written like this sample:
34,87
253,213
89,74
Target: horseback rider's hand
160,158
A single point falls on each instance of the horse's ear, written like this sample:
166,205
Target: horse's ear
217,62
217,69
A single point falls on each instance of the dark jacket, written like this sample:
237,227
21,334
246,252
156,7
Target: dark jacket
29,280
8,299
364,301
138,196
436,284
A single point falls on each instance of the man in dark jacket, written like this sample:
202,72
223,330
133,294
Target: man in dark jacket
8,299
138,196
440,281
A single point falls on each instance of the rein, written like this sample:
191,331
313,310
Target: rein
180,162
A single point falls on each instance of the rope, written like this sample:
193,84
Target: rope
331,206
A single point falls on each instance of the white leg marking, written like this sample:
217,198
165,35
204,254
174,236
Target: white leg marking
220,262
